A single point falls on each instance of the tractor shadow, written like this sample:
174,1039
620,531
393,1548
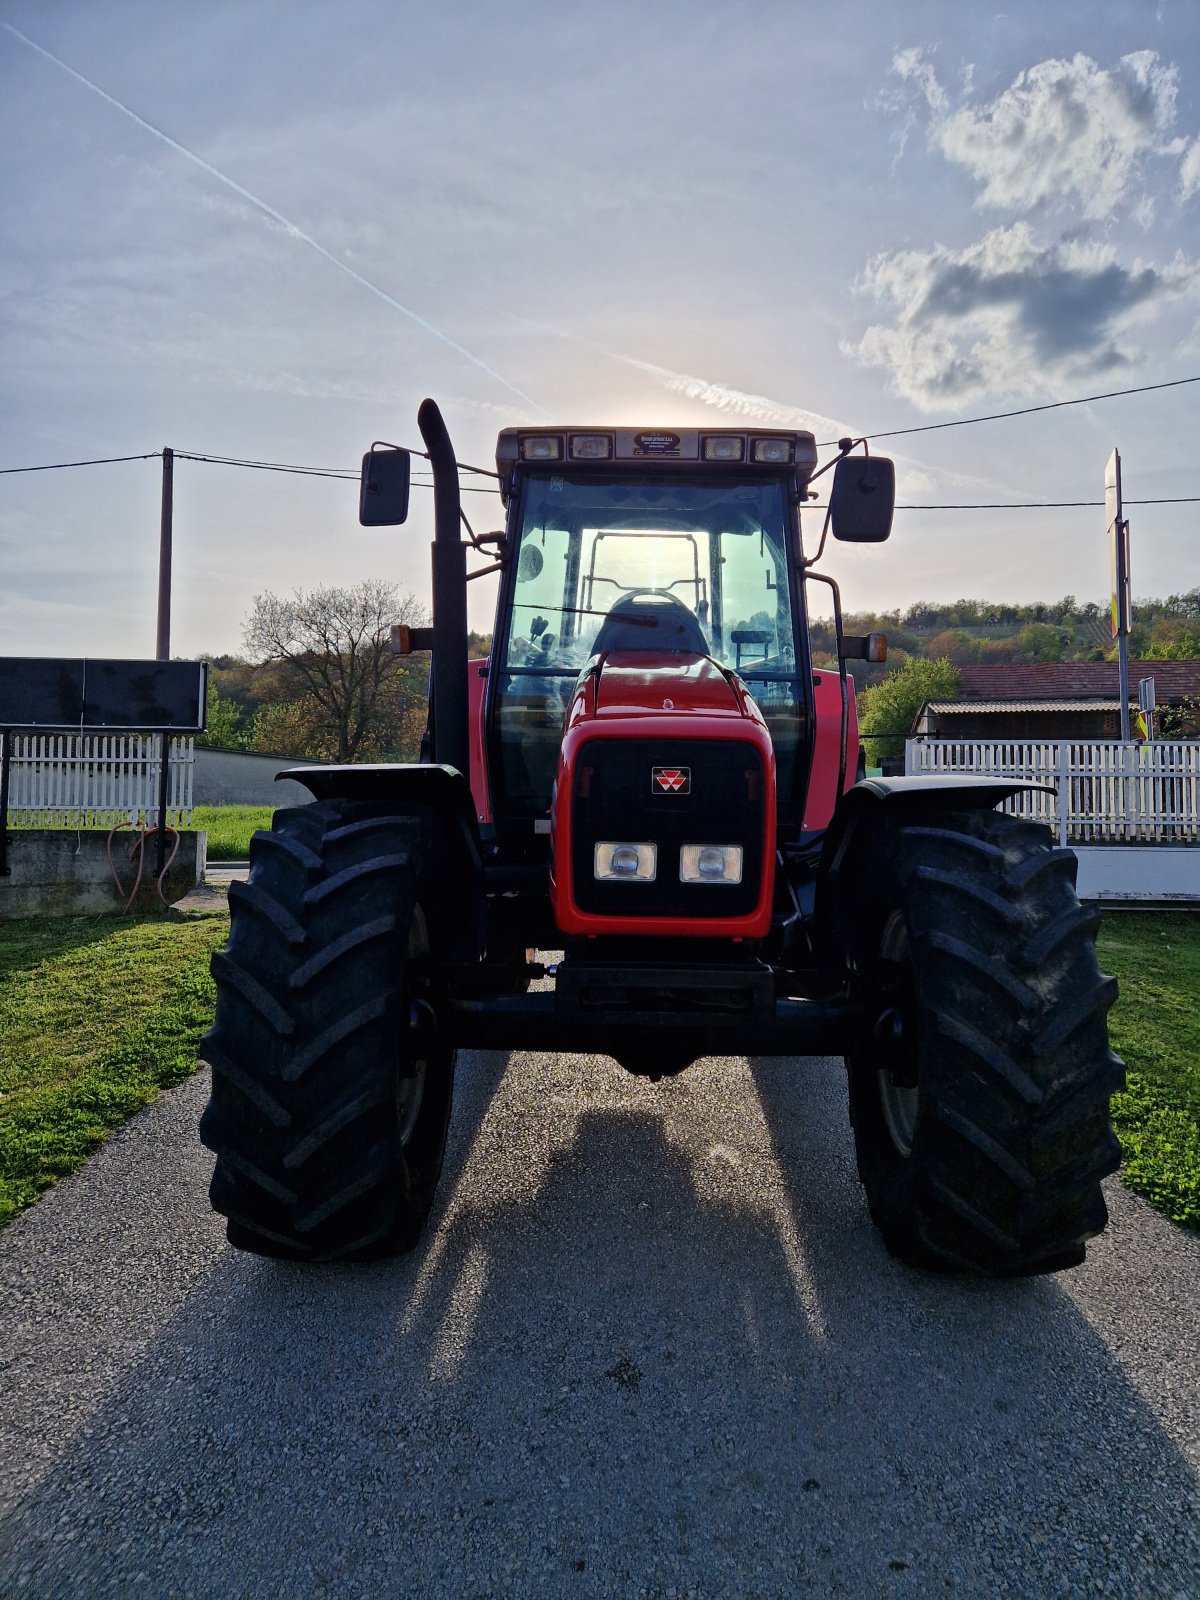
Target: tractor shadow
649,1343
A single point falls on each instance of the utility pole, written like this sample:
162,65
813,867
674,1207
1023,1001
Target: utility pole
1118,546
162,647
163,642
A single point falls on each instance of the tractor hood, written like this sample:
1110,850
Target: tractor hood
665,751
634,683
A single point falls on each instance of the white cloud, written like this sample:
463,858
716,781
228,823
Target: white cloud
1007,315
914,66
1189,170
1063,132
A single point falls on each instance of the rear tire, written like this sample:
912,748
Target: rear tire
331,1086
981,1110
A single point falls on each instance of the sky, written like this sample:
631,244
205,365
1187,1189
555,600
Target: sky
269,230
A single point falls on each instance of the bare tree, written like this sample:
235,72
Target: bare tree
334,645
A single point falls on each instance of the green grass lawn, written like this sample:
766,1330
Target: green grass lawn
96,1015
229,828
1156,1029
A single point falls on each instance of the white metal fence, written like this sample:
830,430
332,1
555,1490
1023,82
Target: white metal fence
71,780
1106,792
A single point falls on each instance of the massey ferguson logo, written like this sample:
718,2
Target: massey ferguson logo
671,780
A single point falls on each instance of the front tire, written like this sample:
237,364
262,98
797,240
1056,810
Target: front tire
981,1108
331,1086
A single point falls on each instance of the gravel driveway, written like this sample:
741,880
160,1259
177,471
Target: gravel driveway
650,1346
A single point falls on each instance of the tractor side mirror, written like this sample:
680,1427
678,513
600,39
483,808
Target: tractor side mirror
383,492
862,499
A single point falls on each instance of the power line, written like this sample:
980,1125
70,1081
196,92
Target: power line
1043,505
316,472
1023,411
267,466
96,461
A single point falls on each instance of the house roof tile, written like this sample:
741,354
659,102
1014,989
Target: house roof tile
1075,680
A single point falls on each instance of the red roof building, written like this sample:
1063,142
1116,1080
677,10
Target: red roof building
1058,700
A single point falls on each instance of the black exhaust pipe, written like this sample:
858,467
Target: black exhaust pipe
450,744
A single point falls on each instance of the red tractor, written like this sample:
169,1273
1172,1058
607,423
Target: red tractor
649,775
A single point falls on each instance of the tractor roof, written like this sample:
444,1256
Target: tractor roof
768,448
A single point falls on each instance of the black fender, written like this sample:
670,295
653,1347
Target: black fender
452,888
838,917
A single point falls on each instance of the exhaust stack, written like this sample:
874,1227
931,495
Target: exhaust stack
449,726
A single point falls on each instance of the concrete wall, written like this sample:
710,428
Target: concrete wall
236,778
1161,873
60,872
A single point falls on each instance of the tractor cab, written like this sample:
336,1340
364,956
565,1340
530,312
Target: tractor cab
666,544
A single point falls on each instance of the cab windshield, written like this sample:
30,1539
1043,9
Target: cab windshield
719,550
711,557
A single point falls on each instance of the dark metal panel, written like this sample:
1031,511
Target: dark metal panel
92,695
40,694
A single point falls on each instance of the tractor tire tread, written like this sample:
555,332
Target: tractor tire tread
264,906
320,1153
249,1087
256,995
352,940
1011,1137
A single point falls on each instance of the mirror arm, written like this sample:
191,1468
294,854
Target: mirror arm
810,561
482,572
469,528
821,577
383,444
844,448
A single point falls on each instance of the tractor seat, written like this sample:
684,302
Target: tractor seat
650,619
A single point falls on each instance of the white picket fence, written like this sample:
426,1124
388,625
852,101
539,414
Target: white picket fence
70,780
1105,792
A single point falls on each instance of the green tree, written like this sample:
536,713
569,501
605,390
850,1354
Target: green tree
287,728
1038,641
888,710
956,644
1183,605
1181,721
225,729
344,696
1173,638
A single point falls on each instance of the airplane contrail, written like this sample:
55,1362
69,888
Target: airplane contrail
269,211
734,402
760,407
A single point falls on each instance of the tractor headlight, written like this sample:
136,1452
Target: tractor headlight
773,450
631,863
724,447
542,447
591,446
710,863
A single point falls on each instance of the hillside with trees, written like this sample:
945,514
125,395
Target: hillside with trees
983,632
317,678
